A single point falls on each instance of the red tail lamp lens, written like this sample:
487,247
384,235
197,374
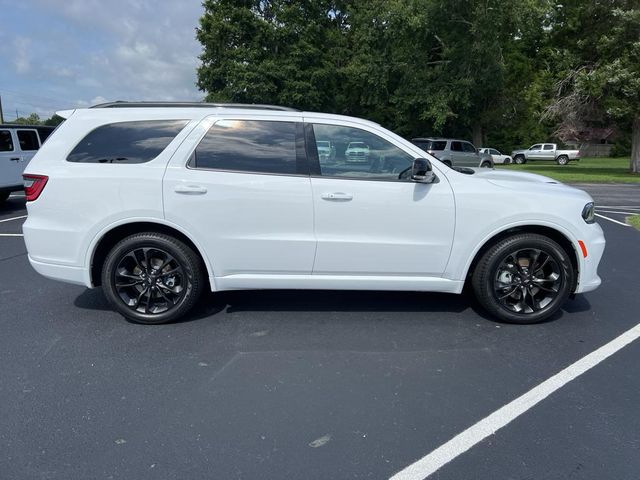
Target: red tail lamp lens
33,186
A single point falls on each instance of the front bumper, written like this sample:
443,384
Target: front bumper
594,243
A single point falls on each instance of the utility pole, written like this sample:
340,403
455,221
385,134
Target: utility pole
1,116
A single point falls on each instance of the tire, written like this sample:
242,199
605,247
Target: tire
486,164
513,292
562,160
447,163
135,285
520,160
4,196
507,161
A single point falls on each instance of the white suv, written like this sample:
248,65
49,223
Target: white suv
157,202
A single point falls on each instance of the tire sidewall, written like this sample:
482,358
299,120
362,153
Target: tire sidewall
496,255
177,250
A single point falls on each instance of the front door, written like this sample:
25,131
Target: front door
241,187
11,159
370,219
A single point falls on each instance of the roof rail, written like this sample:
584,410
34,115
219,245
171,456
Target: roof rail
249,106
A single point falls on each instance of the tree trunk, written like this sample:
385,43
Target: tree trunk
477,135
634,165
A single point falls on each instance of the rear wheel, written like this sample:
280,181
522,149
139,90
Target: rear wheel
523,279
152,278
562,160
486,164
3,197
519,159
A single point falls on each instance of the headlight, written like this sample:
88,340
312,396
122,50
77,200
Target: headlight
588,213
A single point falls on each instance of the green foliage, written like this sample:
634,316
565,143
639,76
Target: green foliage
33,119
481,69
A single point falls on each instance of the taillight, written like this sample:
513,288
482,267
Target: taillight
33,186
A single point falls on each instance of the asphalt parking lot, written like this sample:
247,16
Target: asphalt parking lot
313,385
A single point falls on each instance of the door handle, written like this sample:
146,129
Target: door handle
190,189
337,196
15,159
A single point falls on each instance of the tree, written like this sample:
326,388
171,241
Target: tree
33,119
598,45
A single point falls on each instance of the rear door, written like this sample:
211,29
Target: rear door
471,156
458,156
11,159
548,151
241,187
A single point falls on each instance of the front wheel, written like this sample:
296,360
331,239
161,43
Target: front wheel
152,278
523,279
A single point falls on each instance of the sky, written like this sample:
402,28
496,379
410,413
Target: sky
59,54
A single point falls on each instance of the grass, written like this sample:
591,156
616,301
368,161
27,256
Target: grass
587,170
634,221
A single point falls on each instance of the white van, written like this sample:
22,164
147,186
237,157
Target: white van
18,145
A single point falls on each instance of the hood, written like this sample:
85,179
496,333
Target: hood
497,176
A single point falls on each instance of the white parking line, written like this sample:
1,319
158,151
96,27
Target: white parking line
14,218
17,195
632,207
11,235
612,220
503,416
617,211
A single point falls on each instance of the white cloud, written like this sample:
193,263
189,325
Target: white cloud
22,61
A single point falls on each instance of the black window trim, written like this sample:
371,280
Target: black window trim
302,163
314,160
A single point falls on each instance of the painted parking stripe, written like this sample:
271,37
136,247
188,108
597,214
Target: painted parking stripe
633,207
14,218
620,212
11,235
503,416
612,220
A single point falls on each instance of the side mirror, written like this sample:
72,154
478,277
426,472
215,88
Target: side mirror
421,171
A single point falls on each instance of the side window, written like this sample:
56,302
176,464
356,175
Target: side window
467,147
253,146
28,140
548,146
126,142
494,152
536,147
6,143
359,154
456,146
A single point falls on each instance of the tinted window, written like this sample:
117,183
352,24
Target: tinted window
360,154
494,152
6,144
28,140
248,146
431,144
535,147
126,142
456,146
548,147
467,147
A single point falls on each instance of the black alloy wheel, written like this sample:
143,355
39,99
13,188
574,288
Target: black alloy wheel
152,278
523,279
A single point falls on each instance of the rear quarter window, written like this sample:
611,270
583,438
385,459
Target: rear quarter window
126,142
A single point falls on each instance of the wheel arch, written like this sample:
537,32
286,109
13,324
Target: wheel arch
559,237
112,235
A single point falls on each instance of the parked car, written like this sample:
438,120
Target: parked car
496,156
545,151
326,151
357,152
454,153
18,144
158,204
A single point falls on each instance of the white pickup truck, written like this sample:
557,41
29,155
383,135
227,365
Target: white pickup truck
545,151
